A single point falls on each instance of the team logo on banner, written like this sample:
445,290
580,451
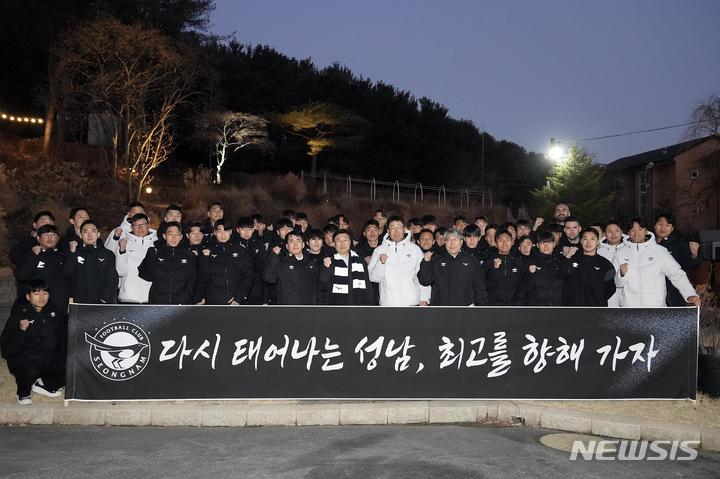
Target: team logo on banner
119,351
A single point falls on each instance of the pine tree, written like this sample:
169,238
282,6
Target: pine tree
577,182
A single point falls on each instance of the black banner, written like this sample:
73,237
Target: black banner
118,352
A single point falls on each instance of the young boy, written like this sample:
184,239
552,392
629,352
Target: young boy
90,267
31,342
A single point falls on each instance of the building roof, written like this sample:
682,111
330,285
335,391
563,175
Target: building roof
661,155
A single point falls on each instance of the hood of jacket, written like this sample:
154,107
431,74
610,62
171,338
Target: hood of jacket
649,242
407,239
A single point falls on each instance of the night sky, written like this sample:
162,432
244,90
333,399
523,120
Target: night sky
525,70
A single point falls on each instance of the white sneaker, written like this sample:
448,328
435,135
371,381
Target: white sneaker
26,401
39,388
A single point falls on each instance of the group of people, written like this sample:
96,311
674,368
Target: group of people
392,262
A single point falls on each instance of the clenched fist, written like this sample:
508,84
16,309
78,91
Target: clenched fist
73,246
532,268
118,232
327,262
122,244
428,255
496,263
206,252
36,250
623,269
276,250
383,258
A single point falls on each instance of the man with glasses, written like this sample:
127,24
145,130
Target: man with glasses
131,252
45,262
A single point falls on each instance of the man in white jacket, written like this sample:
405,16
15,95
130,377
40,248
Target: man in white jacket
131,252
394,265
111,242
641,268
608,248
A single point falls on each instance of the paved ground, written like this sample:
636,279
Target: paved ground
315,452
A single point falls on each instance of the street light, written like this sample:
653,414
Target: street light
556,153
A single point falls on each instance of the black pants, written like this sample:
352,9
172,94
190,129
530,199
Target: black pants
26,372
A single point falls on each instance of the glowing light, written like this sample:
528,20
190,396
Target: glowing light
148,190
20,119
556,153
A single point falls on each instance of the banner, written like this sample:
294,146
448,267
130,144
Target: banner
121,352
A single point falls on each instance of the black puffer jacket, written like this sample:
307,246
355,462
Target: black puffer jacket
258,256
589,280
296,280
39,343
172,272
92,274
680,250
47,266
503,283
227,270
544,286
455,281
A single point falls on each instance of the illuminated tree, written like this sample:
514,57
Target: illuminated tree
575,180
231,131
139,76
323,126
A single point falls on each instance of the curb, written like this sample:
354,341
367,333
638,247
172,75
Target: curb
268,413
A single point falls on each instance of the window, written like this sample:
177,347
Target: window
694,174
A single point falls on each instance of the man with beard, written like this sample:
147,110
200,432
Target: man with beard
426,240
562,211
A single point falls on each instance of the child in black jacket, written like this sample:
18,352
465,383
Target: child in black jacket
32,343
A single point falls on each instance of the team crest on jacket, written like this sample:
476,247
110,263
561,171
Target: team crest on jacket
119,351
183,261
